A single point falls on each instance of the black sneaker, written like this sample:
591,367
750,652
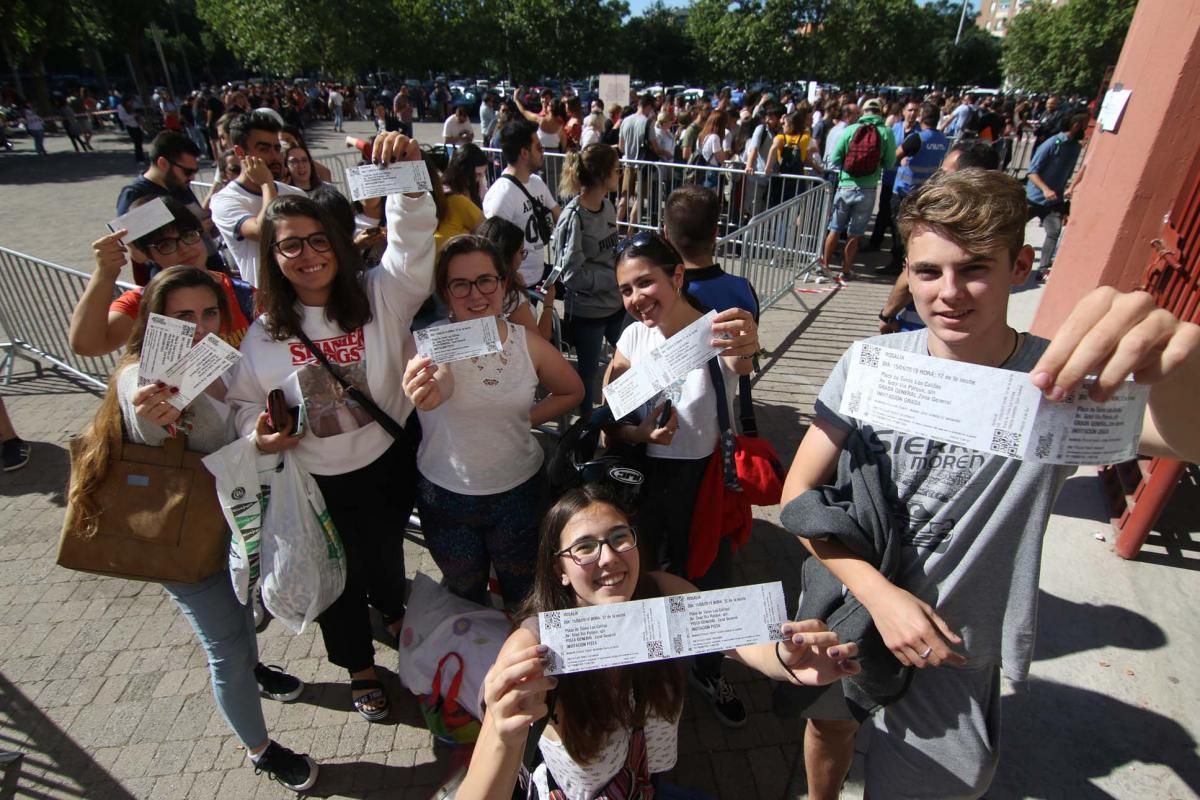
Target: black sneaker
294,770
276,684
725,703
14,454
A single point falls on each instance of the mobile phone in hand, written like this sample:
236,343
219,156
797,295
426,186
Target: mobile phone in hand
665,416
279,416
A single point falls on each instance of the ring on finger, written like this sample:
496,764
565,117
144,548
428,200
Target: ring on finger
928,650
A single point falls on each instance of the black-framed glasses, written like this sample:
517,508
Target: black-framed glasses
486,284
169,244
648,244
293,246
587,551
188,172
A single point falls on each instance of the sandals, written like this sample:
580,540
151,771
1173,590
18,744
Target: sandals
375,697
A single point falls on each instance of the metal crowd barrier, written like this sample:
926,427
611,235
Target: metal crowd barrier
35,316
780,245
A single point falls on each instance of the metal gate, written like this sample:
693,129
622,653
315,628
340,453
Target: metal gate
1140,489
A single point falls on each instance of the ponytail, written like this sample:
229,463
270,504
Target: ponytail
586,169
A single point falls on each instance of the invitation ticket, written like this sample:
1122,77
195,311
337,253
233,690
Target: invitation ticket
989,409
202,365
676,357
372,180
166,341
619,634
459,340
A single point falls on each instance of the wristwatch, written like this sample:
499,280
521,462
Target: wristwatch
885,318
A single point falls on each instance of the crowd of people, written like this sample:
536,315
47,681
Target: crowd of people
321,291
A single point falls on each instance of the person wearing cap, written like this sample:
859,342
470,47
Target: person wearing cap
855,197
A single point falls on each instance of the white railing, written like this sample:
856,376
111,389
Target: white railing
36,300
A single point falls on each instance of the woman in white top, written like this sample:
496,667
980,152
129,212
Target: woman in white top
611,727
650,276
593,129
480,486
713,145
313,286
550,119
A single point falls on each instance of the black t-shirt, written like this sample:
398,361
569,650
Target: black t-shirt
143,187
216,109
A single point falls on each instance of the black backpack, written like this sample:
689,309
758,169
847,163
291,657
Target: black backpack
790,162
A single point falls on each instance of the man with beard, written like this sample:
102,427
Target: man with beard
1051,168
238,209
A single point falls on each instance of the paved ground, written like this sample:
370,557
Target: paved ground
104,691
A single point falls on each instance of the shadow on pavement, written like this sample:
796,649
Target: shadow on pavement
52,764
1056,738
1082,497
1065,627
47,474
23,168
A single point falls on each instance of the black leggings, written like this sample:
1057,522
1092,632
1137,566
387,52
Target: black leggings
370,509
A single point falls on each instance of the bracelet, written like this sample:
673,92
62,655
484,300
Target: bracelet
788,670
885,318
747,357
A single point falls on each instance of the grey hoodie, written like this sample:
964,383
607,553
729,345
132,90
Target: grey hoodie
586,241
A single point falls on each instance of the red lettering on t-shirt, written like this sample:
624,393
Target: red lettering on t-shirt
344,349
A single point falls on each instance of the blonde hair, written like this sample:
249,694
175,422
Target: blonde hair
979,210
587,168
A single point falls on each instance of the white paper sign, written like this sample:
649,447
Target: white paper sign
619,634
142,220
459,340
202,365
1112,108
614,89
166,341
371,180
676,357
990,410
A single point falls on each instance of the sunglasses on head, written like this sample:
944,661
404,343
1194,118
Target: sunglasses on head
649,244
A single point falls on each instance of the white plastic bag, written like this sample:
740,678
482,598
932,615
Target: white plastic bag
438,622
303,563
243,476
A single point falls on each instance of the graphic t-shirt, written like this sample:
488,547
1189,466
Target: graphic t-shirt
231,207
234,326
972,522
506,200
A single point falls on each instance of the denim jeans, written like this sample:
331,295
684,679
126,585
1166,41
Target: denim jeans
225,629
337,118
588,335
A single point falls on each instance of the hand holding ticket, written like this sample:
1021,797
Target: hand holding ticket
371,180
142,220
676,357
989,409
459,340
169,358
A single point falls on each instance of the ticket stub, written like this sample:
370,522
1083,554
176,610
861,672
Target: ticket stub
373,180
202,365
167,340
676,357
989,409
142,220
459,340
619,634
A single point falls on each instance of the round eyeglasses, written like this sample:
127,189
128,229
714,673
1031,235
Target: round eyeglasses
169,244
460,288
587,551
293,246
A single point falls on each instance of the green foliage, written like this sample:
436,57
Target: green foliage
657,46
1067,47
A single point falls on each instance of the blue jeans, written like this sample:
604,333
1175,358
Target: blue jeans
38,137
587,336
337,118
225,629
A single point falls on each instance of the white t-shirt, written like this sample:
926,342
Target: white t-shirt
507,201
453,129
589,136
231,207
336,99
692,396
708,149
478,442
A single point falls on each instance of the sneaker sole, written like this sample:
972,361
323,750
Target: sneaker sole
314,770
283,698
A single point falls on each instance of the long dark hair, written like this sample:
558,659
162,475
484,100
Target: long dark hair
348,304
93,453
596,703
658,251
459,176
508,240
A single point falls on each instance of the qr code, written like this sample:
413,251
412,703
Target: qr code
677,605
677,642
654,650
1044,444
868,356
553,619
855,402
777,633
1007,443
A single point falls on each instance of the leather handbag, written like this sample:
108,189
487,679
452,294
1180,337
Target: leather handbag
159,517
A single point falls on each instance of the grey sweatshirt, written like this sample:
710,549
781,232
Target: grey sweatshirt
587,242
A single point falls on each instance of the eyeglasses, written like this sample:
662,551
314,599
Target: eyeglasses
296,162
651,245
293,246
169,244
486,284
583,553
188,172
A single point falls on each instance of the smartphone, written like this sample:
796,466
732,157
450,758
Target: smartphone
665,416
279,416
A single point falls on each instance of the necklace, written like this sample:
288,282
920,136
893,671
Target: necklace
1016,343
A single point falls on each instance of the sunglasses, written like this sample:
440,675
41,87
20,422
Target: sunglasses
188,172
648,244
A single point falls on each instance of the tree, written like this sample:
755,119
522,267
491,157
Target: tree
1065,48
867,41
658,46
558,37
